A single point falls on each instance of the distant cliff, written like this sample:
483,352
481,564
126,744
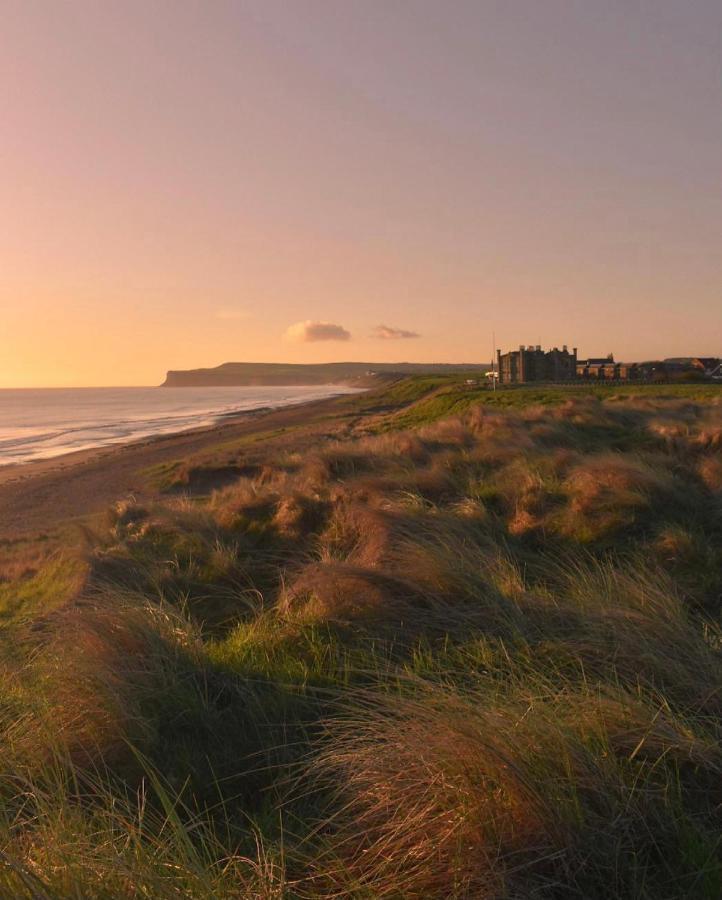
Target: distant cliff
244,374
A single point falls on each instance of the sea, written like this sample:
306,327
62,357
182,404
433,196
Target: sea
42,423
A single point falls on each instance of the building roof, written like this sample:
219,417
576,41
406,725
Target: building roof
689,360
709,362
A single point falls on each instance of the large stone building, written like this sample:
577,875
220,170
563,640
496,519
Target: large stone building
529,364
534,364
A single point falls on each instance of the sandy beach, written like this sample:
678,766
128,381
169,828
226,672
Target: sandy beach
37,497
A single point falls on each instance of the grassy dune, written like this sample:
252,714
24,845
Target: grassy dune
465,646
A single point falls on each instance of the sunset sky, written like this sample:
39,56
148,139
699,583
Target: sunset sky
188,183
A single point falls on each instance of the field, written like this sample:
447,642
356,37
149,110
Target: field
434,642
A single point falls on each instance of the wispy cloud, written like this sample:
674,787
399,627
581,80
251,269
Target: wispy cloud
228,314
384,333
308,331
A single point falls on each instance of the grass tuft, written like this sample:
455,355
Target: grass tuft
449,644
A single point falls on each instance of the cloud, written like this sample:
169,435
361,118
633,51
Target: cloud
384,333
308,331
231,315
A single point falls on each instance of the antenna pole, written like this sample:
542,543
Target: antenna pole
493,361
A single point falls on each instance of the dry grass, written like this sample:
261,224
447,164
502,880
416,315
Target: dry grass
710,471
478,658
428,801
443,794
608,493
342,594
95,667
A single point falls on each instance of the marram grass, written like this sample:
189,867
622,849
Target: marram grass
475,656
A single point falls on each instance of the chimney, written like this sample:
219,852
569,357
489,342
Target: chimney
564,348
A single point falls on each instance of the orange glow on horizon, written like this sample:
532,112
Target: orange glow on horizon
181,184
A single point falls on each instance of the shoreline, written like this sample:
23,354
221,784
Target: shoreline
19,471
39,496
205,419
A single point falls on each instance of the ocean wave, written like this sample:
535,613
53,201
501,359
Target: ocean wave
43,424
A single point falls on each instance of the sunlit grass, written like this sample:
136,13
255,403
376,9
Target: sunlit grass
475,657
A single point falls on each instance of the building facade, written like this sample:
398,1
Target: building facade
606,369
534,364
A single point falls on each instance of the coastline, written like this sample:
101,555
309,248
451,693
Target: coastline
12,472
50,423
41,495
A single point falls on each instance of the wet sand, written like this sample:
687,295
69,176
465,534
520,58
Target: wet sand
37,497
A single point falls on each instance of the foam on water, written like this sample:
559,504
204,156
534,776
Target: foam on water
47,422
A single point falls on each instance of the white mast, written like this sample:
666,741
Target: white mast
493,360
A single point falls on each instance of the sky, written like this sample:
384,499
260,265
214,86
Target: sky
189,182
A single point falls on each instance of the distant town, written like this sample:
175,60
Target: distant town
532,364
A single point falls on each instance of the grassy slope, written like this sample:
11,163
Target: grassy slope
399,653
432,398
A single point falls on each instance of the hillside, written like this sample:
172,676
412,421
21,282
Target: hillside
426,641
242,374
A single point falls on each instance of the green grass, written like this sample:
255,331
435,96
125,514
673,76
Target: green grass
173,475
41,589
432,399
462,645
